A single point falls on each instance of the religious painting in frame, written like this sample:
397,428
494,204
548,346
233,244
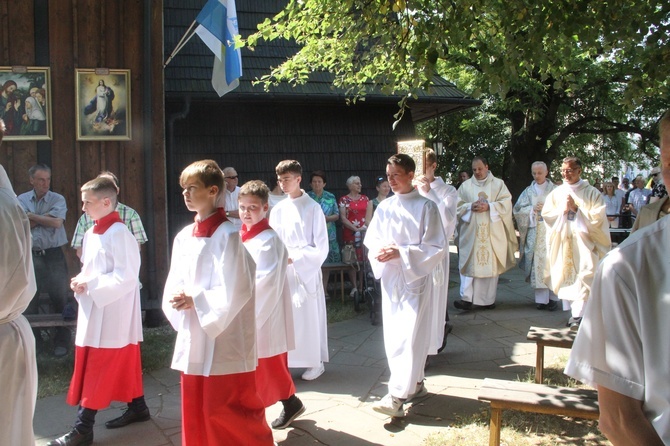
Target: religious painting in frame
25,103
417,150
103,104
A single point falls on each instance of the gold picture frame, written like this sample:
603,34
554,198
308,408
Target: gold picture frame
417,150
103,104
25,103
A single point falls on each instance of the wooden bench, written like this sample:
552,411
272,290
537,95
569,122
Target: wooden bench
536,398
49,320
338,266
550,337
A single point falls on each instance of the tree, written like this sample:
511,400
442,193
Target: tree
554,71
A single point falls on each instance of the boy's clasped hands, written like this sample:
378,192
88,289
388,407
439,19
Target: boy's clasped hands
181,301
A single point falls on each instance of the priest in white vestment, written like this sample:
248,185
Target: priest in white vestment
532,235
445,196
18,366
406,242
299,222
486,236
577,238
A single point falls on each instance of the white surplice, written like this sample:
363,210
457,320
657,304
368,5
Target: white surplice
18,366
487,240
218,335
445,196
575,244
274,312
300,225
413,224
109,311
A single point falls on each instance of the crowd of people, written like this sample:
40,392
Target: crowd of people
246,294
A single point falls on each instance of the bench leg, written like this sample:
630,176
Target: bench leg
342,285
494,435
539,364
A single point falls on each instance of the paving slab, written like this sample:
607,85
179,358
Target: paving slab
483,344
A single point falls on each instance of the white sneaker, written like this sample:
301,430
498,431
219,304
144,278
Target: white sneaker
389,405
420,392
313,373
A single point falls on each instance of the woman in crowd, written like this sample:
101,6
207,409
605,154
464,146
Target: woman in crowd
328,204
612,204
276,194
383,190
355,213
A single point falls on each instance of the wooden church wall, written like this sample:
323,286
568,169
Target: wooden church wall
120,34
253,137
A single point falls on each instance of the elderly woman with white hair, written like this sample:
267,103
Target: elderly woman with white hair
355,214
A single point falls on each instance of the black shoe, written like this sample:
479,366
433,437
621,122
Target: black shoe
292,410
73,438
447,329
542,306
487,307
552,305
128,417
463,305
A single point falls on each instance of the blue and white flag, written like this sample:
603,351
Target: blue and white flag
218,28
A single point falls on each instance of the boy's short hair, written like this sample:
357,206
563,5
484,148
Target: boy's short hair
288,166
431,156
207,171
102,187
256,188
107,173
404,161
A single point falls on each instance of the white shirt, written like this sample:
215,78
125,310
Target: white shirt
622,341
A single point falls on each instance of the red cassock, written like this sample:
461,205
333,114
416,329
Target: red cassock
221,410
273,380
103,375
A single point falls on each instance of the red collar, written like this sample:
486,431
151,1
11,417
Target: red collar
255,230
207,227
102,225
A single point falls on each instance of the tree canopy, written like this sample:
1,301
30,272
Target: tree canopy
553,74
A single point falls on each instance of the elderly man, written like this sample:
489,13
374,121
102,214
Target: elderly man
638,197
532,235
577,238
621,348
486,236
46,211
231,193
18,366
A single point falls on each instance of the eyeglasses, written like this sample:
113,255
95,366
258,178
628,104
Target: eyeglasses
567,171
231,178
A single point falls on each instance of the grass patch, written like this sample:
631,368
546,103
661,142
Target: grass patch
524,428
54,374
338,311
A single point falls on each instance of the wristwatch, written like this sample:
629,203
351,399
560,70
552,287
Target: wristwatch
227,214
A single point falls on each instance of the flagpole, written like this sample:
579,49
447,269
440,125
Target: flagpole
184,40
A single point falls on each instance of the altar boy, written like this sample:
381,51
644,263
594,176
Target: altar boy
274,313
209,300
107,363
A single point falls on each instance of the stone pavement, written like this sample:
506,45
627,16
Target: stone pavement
489,343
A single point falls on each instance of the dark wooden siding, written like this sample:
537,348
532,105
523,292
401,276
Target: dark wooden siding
253,137
70,34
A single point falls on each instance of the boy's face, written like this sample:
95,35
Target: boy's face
289,182
252,209
399,180
94,206
197,196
